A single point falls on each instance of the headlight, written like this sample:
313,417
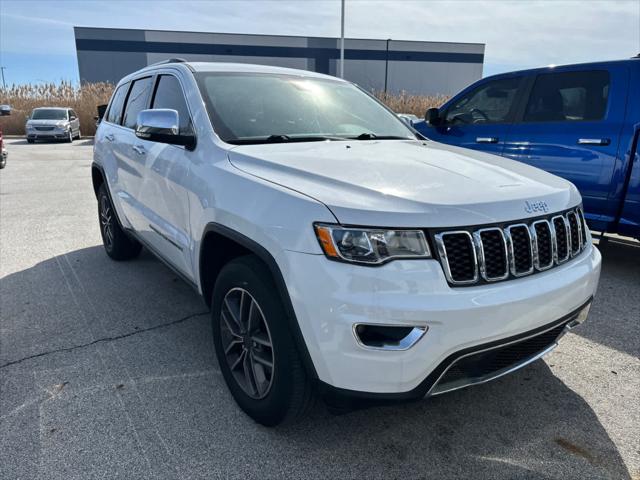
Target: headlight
29,127
371,245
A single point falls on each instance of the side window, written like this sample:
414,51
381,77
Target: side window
169,95
489,103
136,101
117,102
568,97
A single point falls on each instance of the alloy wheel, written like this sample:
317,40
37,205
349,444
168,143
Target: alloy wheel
106,221
247,344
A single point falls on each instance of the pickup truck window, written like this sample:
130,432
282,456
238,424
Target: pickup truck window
489,103
568,97
169,95
267,108
137,101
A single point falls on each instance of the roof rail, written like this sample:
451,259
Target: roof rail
170,60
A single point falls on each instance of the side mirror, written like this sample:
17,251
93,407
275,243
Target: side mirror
432,117
101,111
72,117
162,125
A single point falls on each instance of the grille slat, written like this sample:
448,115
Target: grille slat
562,238
544,243
574,229
491,254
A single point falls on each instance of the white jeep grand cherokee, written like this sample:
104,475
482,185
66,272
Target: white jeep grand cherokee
341,253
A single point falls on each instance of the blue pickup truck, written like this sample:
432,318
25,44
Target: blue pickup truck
581,122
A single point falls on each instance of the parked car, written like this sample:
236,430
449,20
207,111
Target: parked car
5,110
53,123
339,251
581,122
3,153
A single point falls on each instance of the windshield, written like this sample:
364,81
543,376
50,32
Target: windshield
49,114
260,108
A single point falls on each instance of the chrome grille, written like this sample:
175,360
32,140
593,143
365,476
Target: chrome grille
561,231
44,129
495,253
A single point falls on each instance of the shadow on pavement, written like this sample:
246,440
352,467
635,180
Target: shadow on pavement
182,418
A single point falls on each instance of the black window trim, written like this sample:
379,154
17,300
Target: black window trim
152,76
105,118
156,83
511,116
531,79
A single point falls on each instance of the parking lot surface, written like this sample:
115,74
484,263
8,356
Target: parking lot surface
107,370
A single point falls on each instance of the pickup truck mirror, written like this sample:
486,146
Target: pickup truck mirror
432,116
163,125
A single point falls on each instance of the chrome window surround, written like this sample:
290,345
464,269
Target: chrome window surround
479,252
444,259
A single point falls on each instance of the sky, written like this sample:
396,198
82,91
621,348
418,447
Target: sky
37,42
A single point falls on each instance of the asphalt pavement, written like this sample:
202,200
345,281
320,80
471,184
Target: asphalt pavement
107,370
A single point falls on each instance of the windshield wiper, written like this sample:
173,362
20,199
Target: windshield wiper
373,136
282,138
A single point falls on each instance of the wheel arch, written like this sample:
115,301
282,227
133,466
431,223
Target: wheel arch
219,245
97,177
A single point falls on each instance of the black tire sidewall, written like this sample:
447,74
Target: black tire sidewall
250,274
123,246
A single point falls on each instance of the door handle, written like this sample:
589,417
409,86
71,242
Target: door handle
139,149
594,141
110,137
486,140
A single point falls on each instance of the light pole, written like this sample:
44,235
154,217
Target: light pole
342,40
4,85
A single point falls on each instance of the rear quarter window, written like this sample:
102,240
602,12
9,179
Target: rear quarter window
117,102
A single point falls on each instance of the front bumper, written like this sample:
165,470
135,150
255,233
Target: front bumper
330,297
48,135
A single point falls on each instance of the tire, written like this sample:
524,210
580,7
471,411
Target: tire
70,139
79,136
117,244
3,163
284,396
30,140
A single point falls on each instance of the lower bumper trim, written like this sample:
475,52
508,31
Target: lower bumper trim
470,366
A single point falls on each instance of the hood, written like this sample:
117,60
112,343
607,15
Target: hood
49,123
397,183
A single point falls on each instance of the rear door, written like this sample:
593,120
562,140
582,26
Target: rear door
569,124
480,118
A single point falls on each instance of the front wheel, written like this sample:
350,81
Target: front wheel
70,137
255,350
117,243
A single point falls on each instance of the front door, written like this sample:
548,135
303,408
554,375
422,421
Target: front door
480,118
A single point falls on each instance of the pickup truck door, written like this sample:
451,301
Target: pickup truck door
162,196
478,118
569,124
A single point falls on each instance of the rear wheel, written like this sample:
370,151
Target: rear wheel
117,243
255,350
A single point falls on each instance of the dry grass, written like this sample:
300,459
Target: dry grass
84,100
405,103
24,98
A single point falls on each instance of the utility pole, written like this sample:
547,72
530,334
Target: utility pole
4,85
342,40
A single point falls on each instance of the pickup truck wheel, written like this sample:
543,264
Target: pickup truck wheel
256,353
117,244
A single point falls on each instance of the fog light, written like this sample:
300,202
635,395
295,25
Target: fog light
388,337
